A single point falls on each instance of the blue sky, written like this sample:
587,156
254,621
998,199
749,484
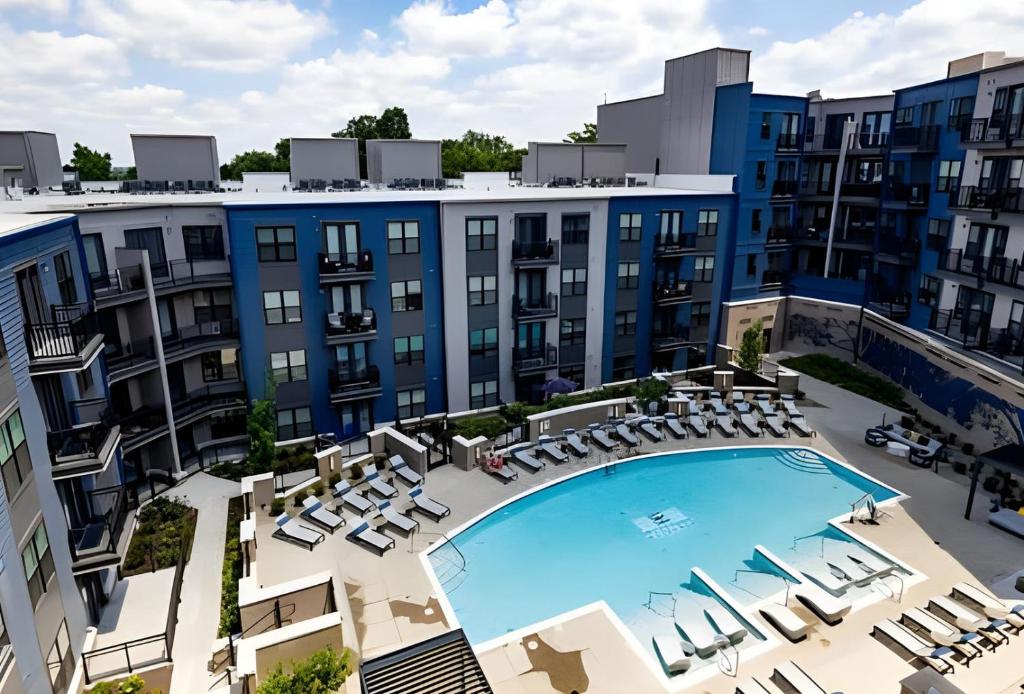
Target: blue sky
250,71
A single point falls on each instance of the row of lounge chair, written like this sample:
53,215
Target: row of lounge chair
788,677
714,629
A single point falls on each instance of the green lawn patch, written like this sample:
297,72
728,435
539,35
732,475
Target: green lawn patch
230,618
849,377
166,528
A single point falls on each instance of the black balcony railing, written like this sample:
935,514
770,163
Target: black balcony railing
120,281
535,251
68,332
671,292
857,233
101,533
871,140
908,193
904,248
784,188
788,141
140,422
1000,128
888,300
861,189
923,138
1006,271
348,379
814,186
129,354
342,263
1002,199
174,273
954,260
192,335
674,244
779,234
534,358
535,307
342,323
673,337
82,441
213,396
772,277
969,327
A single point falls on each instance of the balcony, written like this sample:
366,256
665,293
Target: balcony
99,542
534,253
788,142
343,328
534,359
345,267
1006,272
816,187
202,337
351,384
968,327
677,337
772,279
995,132
141,426
531,308
84,449
672,293
902,250
870,140
674,245
1009,200
130,359
856,234
784,188
68,342
861,189
907,194
121,286
916,138
888,301
778,236
211,399
954,260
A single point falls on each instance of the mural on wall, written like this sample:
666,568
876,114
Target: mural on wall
812,328
969,404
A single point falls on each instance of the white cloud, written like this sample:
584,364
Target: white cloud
873,54
431,27
757,31
230,35
54,7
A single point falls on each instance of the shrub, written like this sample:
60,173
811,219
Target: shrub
489,426
356,472
322,672
849,377
751,347
334,478
262,428
131,685
648,391
316,490
300,496
231,571
165,526
277,507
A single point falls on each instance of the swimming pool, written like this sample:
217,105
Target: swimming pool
620,533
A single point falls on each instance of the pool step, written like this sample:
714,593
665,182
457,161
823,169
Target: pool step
792,460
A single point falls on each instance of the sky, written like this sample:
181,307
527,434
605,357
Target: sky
253,71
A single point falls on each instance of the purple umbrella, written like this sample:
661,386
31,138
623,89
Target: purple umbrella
559,385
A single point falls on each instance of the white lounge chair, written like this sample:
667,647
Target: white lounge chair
799,423
377,484
699,632
789,404
344,491
290,530
991,606
749,423
672,653
751,686
827,606
527,460
763,402
796,679
362,533
786,621
318,514
602,439
575,443
398,521
623,431
649,428
715,400
550,448
698,424
675,426
725,425
435,509
404,472
940,659
944,634
724,621
832,578
737,396
967,619
502,470
774,424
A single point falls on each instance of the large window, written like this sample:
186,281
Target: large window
60,660
628,276
295,423
407,296
65,278
210,306
275,244
288,366
707,223
220,365
761,175
905,115
961,110
483,342
629,226
14,457
928,290
625,323
483,394
574,281
704,268
949,174
95,256
403,238
573,331
481,233
411,403
700,314
38,562
203,242
409,350
938,234
483,290
575,228
281,307
624,367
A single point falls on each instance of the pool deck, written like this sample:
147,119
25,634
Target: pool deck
392,602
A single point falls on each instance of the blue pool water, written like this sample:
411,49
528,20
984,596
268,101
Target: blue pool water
599,536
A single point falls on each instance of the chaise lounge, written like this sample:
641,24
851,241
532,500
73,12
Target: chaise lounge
602,439
316,513
290,530
674,425
363,534
623,431
550,448
424,504
343,490
526,460
377,484
940,659
698,424
774,424
402,471
398,521
649,428
828,607
575,443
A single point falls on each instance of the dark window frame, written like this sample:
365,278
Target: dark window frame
484,240
417,405
291,371
486,398
275,250
290,313
210,242
629,280
295,429
482,296
405,243
625,323
705,226
407,300
575,286
486,348
576,335
574,233
406,352
633,228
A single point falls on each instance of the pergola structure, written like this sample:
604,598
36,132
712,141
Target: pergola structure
1008,458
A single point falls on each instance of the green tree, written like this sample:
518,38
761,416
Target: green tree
130,174
253,160
477,151
588,135
262,427
283,152
392,124
90,164
751,347
649,390
323,671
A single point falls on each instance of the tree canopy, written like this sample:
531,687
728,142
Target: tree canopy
477,151
392,124
322,672
751,347
90,164
258,160
586,136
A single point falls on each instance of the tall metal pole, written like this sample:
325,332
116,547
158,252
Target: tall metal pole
849,132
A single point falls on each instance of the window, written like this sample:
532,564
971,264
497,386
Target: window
407,296
65,278
623,368
403,238
340,243
574,281
275,244
961,110
629,276
95,257
481,234
573,331
483,342
281,307
809,130
483,394
288,366
704,268
755,220
203,242
949,173
938,234
210,306
625,323
14,457
483,290
766,126
629,226
905,115
574,372
707,223
60,660
700,314
409,350
575,228
928,290
295,423
751,265
38,562
671,231
6,657
213,367
412,403
761,177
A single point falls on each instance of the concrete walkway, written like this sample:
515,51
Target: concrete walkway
199,611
